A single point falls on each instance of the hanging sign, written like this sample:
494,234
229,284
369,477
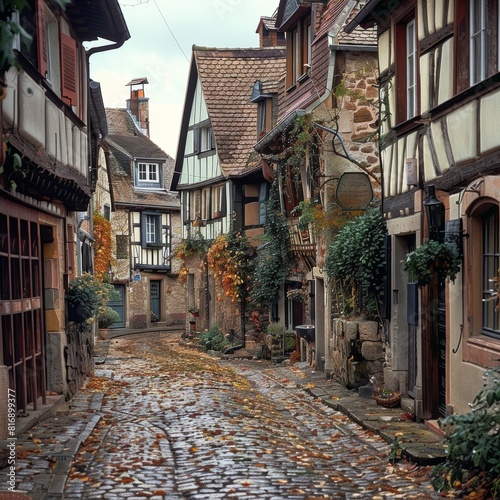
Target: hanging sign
354,191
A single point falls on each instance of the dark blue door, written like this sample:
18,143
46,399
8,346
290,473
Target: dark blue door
154,297
118,305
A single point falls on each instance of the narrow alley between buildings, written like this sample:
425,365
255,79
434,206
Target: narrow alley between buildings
158,420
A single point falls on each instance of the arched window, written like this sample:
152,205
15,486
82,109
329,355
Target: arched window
490,263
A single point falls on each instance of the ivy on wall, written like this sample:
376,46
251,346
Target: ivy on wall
355,263
102,256
273,263
230,261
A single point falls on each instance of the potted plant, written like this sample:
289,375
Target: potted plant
433,258
387,398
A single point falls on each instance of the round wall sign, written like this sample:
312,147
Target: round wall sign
354,191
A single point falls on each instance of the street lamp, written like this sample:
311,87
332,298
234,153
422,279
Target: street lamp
434,210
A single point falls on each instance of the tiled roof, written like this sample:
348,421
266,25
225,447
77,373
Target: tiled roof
359,36
336,16
126,142
227,77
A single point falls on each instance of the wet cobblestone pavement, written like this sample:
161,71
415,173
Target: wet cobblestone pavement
164,422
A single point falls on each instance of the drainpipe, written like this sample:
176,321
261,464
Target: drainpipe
89,53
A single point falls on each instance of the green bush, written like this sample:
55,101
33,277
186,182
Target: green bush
473,461
213,339
107,317
355,262
87,296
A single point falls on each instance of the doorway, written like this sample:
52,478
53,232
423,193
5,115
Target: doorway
155,300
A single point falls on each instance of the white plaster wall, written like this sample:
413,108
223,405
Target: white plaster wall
462,124
489,106
446,74
384,51
437,135
425,74
31,110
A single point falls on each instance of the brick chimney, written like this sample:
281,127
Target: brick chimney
268,34
138,104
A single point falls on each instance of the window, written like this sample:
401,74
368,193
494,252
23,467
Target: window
490,262
218,201
406,69
151,229
203,138
205,203
106,212
476,50
121,246
148,175
264,116
299,40
477,41
411,70
194,205
56,55
206,139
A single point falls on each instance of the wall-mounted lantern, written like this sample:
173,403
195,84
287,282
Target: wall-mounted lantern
434,210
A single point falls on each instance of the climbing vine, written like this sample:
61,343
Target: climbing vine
192,245
355,263
230,261
102,256
273,263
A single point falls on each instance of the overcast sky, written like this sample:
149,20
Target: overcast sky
162,35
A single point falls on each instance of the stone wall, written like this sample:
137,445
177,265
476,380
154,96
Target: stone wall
357,352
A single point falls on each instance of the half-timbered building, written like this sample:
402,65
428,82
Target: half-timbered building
51,124
439,66
220,177
145,218
328,93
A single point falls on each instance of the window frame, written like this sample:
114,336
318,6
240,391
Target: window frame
477,32
147,218
298,51
217,198
264,116
489,270
479,347
411,70
147,177
403,90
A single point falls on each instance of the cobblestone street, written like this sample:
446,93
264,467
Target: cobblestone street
161,421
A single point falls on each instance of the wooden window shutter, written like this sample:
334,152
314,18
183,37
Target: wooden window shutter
462,46
223,202
41,39
69,79
197,139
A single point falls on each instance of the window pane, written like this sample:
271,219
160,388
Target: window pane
151,221
477,41
491,315
411,78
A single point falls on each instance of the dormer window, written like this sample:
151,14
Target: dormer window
148,175
264,109
299,40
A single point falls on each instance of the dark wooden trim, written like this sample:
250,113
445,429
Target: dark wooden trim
437,38
468,95
401,205
460,175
